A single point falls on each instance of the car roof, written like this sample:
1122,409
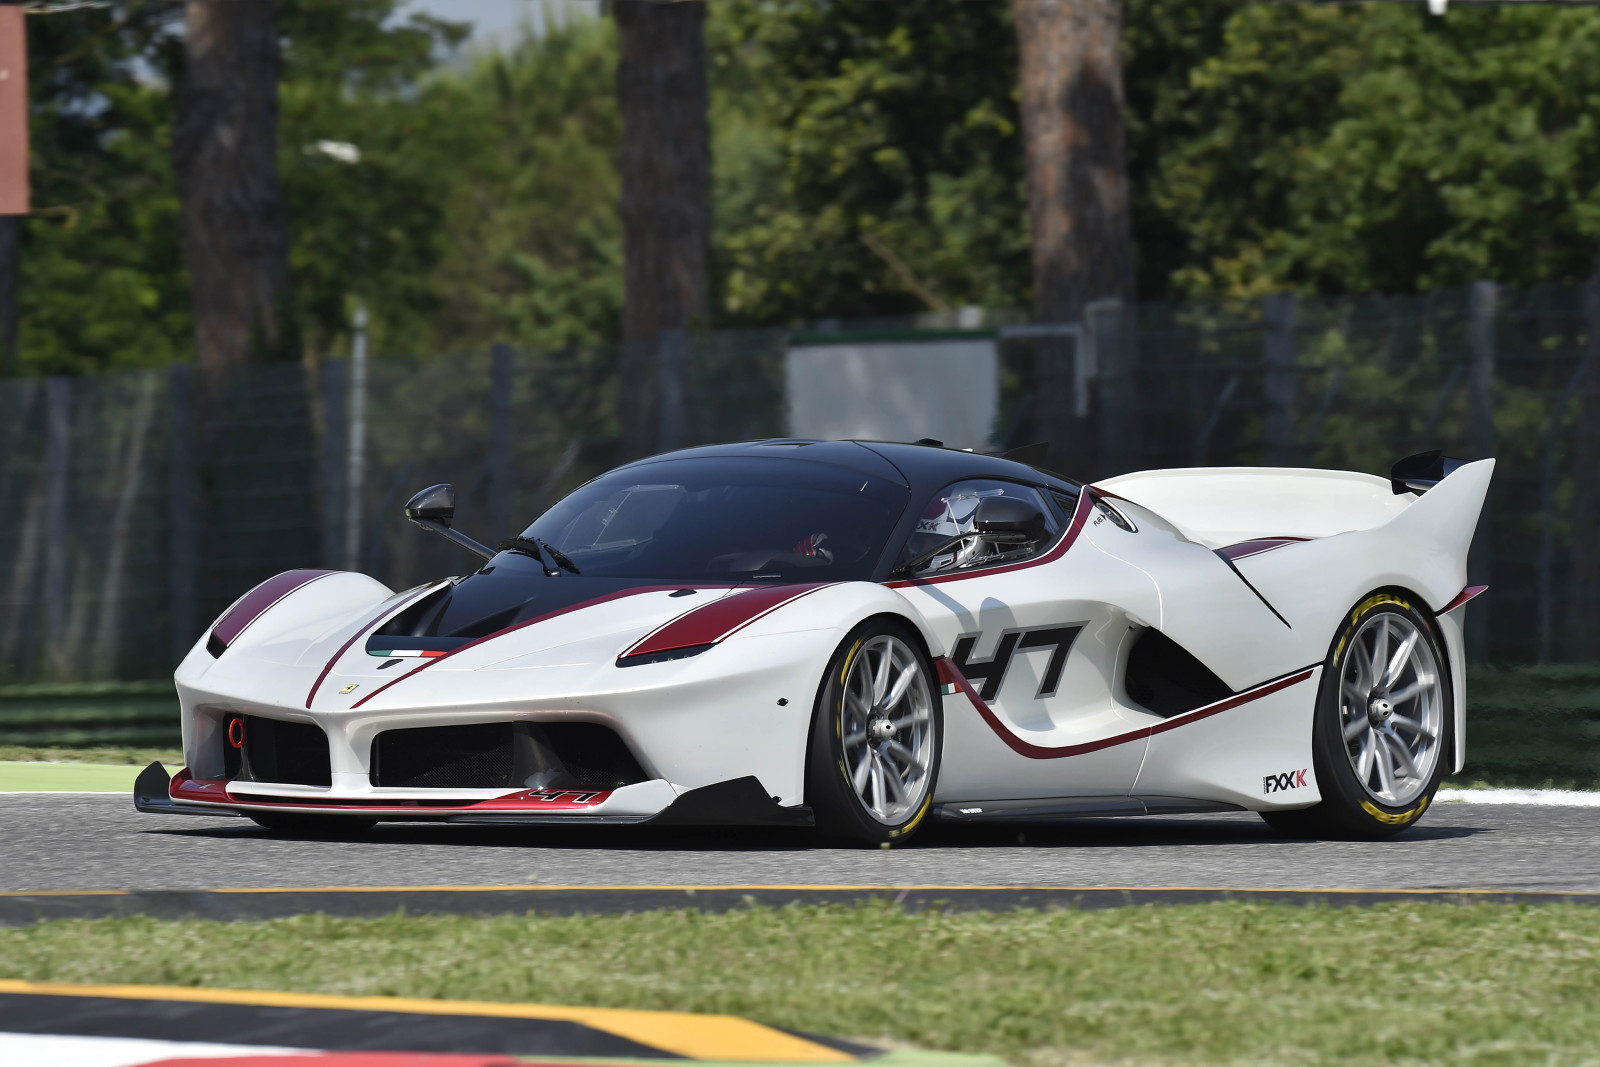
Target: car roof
922,468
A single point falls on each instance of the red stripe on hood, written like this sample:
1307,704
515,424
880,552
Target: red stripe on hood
710,623
248,608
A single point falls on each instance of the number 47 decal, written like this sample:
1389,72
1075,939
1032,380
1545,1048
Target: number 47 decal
992,671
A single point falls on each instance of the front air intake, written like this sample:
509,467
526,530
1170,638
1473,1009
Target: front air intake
272,750
504,755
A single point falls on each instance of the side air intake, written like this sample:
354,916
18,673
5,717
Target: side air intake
1165,678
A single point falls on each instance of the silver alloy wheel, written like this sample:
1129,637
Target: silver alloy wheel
1391,708
887,729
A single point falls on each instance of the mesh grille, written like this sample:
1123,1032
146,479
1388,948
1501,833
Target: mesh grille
565,755
478,756
294,753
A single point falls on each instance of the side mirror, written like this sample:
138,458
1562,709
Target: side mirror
435,504
434,509
1006,520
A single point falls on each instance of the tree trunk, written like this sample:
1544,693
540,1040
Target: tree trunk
1583,616
666,199
235,222
1072,124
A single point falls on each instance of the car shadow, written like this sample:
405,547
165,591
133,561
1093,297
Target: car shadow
1097,833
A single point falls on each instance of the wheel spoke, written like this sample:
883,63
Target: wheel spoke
1381,759
1364,759
890,778
1423,683
1355,693
1402,755
854,703
1397,661
1357,726
902,685
1413,726
880,678
909,757
909,718
858,777
881,806
851,740
1380,652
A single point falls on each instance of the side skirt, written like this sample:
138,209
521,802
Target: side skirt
1053,809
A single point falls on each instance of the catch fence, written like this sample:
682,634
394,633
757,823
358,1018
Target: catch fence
142,505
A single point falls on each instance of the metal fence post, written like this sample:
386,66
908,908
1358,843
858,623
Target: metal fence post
502,360
58,483
356,442
1480,431
182,544
335,413
671,359
1108,327
1280,354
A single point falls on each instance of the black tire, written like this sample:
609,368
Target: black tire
841,812
1349,809
296,825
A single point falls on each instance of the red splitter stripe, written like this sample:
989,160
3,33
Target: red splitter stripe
720,619
950,674
250,607
1462,597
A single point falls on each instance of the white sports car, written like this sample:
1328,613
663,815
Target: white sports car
864,636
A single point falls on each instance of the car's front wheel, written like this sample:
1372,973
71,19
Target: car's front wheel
875,737
1383,726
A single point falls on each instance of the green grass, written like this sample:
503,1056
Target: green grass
1479,984
1533,726
122,757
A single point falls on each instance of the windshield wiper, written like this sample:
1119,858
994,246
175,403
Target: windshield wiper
549,558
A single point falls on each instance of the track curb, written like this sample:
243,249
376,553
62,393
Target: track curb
21,908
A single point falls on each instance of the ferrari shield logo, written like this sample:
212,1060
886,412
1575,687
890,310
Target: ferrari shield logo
351,688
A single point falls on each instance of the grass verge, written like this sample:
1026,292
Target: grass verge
121,757
1218,983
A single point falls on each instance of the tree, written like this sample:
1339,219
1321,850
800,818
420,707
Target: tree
1072,102
235,221
666,190
868,160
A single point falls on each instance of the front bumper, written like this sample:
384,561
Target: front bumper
735,802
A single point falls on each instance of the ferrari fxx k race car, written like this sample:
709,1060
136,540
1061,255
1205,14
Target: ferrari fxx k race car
862,637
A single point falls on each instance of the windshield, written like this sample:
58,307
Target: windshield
726,519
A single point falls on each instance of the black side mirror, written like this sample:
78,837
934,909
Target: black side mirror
1006,520
434,509
437,503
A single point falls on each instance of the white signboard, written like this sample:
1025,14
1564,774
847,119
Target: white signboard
895,391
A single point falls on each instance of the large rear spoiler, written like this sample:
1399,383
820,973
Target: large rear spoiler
1421,472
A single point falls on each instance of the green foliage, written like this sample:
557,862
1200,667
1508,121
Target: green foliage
1226,983
1379,149
102,283
879,148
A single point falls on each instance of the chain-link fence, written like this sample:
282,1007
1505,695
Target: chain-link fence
140,505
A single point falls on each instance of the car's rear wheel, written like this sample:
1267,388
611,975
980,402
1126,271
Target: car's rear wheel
1383,727
875,737
296,825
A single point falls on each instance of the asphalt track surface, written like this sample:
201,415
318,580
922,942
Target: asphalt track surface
55,848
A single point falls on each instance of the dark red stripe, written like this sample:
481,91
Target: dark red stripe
1257,546
426,663
713,622
950,674
370,624
1462,597
253,604
185,787
1080,515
